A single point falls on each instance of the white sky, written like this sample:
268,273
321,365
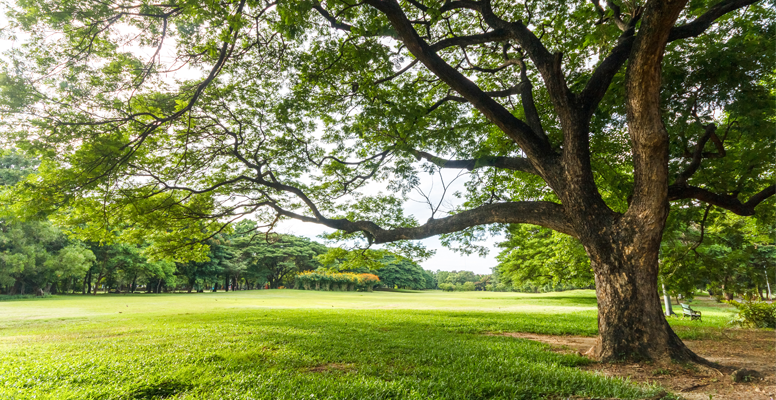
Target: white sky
444,259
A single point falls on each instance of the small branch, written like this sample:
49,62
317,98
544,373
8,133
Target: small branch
616,17
401,71
514,90
697,157
498,35
332,21
703,227
420,6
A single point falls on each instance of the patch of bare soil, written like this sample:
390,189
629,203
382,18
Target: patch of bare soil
739,349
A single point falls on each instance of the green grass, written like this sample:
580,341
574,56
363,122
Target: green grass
286,344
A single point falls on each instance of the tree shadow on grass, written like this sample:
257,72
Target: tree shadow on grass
159,390
588,301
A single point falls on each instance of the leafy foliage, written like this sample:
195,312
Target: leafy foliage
755,314
348,281
712,250
538,256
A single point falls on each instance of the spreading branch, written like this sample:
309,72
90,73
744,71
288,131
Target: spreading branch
513,127
728,202
697,156
700,24
543,213
511,163
603,74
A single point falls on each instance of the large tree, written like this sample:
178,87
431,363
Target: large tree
586,118
276,258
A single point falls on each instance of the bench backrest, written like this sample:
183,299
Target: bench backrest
686,307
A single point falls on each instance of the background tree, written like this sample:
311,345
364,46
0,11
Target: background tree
725,254
69,265
34,254
539,256
589,127
205,273
399,272
28,255
275,259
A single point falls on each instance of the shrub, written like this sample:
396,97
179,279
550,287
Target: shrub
348,281
447,287
755,314
368,281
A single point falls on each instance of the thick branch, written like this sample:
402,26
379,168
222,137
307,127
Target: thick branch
513,127
548,64
543,213
603,74
529,107
511,163
700,24
728,202
649,138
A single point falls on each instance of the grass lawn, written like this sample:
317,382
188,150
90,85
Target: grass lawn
288,344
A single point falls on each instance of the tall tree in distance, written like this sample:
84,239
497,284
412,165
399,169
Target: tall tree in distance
588,119
274,258
537,255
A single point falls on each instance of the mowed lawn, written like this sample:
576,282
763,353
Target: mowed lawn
289,344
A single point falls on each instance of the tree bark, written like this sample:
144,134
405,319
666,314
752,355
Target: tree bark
631,323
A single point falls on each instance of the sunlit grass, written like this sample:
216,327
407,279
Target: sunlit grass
285,344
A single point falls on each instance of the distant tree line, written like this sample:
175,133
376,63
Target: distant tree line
37,257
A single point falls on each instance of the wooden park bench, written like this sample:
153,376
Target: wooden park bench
689,312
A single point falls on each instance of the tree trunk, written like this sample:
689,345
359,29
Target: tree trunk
667,300
87,283
99,278
631,323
